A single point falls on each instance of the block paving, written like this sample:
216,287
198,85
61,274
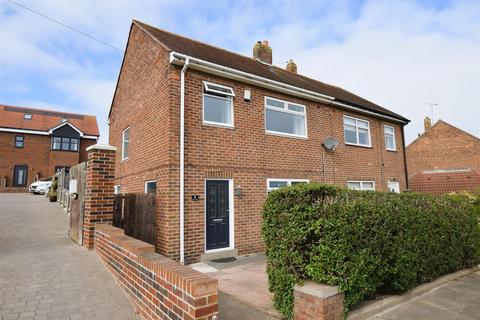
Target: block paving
44,274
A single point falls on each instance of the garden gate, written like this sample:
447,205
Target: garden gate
136,214
77,202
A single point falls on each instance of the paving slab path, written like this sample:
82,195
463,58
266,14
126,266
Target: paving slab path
44,274
458,299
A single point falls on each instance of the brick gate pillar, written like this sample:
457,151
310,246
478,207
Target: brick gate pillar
98,190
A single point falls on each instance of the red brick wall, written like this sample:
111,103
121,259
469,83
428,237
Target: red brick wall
158,287
317,301
36,154
443,147
98,191
148,99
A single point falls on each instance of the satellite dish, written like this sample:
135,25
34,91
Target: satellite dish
330,143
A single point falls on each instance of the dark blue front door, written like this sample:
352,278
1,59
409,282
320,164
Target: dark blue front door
217,214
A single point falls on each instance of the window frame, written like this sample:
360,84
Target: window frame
289,182
216,92
150,181
397,183
214,123
392,135
285,110
358,144
123,142
27,116
15,141
65,140
361,185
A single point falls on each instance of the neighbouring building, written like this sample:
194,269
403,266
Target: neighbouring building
212,132
34,143
443,159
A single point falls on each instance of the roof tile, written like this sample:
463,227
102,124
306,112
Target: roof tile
43,120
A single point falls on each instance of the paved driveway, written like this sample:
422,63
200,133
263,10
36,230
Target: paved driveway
45,275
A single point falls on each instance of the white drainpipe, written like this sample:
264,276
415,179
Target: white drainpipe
182,161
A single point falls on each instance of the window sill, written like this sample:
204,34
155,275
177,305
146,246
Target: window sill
358,145
218,125
286,135
124,159
392,150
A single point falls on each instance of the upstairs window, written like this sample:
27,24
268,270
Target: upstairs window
390,138
273,184
217,104
361,185
357,131
285,118
19,141
125,143
65,144
27,116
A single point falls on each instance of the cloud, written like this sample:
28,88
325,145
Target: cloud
399,54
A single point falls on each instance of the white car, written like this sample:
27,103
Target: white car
40,187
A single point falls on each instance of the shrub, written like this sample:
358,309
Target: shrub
366,243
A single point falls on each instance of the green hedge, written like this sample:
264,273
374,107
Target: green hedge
366,243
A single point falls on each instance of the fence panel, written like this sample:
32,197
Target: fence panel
136,214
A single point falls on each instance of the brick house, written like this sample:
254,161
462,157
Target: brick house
443,159
34,143
211,132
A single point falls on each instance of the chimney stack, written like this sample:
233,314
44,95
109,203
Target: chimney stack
427,123
262,52
291,66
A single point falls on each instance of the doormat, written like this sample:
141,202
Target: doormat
225,260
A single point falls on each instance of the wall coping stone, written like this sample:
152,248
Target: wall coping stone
317,289
100,146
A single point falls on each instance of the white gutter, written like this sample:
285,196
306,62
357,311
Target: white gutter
212,68
182,160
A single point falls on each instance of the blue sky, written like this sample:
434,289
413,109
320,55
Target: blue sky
399,54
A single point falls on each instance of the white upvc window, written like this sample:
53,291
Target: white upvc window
361,185
390,138
151,186
217,105
357,131
394,186
285,118
125,143
116,189
273,184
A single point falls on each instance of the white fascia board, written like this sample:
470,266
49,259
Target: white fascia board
212,68
43,133
38,132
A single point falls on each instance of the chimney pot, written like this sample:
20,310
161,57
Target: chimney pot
427,123
291,66
262,52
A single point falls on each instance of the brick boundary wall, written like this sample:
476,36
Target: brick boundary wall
317,301
98,190
158,287
13,190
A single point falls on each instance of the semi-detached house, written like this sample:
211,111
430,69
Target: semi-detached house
211,132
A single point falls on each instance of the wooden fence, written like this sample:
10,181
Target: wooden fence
136,214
